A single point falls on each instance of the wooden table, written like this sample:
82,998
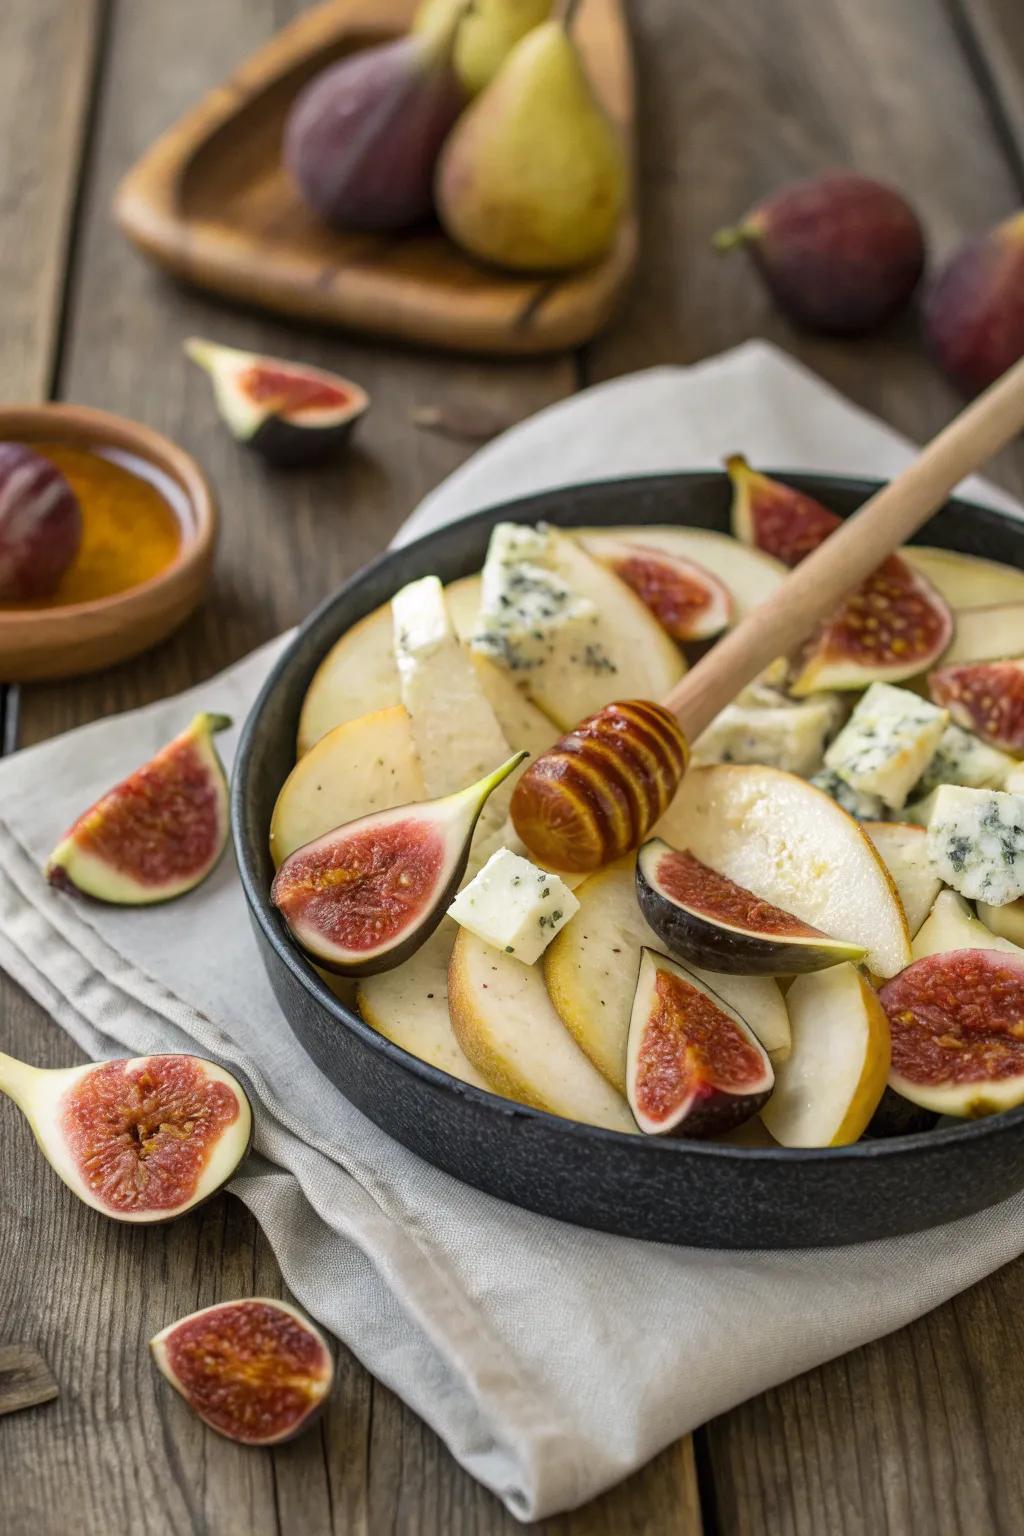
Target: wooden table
918,1433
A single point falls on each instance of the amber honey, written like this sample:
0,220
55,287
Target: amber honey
133,522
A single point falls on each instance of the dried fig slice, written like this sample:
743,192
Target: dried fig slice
895,625
693,1066
155,835
706,918
688,601
256,1370
986,698
141,1140
363,898
957,1036
288,412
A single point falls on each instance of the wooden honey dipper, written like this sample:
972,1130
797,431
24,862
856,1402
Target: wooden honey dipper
599,790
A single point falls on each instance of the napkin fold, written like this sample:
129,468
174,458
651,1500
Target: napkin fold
551,1360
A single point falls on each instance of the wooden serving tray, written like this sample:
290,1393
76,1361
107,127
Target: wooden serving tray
211,203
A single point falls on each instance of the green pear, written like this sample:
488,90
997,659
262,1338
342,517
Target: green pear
533,175
488,32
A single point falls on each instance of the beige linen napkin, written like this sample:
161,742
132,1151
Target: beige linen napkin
551,1360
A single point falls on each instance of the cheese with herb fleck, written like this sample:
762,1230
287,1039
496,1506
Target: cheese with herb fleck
976,842
962,758
514,906
887,742
854,801
455,731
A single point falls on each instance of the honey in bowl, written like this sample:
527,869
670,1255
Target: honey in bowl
132,523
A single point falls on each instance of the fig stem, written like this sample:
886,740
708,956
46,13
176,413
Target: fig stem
729,238
16,1078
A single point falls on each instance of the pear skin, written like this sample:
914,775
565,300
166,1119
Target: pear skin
487,34
533,176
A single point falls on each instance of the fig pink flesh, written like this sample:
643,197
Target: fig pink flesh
690,1049
957,1017
360,891
289,393
142,1134
250,1370
984,697
691,883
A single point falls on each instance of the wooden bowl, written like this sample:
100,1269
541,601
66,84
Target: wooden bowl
83,637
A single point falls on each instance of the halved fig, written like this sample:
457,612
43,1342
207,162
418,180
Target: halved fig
707,919
957,1032
141,1140
290,413
364,897
688,602
693,1067
155,835
256,1371
773,517
829,1087
986,698
894,625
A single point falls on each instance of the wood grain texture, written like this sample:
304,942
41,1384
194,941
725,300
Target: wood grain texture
25,1378
993,34
901,1438
119,1451
211,202
46,66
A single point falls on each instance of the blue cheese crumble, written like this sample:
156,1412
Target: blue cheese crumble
887,743
976,842
514,906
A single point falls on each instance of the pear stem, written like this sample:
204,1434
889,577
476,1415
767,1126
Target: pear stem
16,1077
569,8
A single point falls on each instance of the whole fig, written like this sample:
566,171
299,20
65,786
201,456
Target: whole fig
362,139
841,253
40,524
974,310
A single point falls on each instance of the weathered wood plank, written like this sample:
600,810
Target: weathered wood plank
916,1434
47,52
993,34
25,1378
121,1450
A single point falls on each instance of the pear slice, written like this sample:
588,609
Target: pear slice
505,1023
904,851
792,845
966,581
828,1089
366,895
409,1006
1005,922
364,765
158,833
693,1066
991,633
140,1140
592,965
952,925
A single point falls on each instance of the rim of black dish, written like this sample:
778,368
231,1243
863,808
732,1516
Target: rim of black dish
509,1109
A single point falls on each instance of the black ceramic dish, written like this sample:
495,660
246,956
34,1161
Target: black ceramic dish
669,1191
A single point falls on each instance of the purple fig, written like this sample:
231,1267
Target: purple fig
841,253
974,310
362,139
40,524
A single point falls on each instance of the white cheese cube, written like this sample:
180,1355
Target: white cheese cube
525,606
787,734
962,758
514,906
887,742
455,730
976,842
854,801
